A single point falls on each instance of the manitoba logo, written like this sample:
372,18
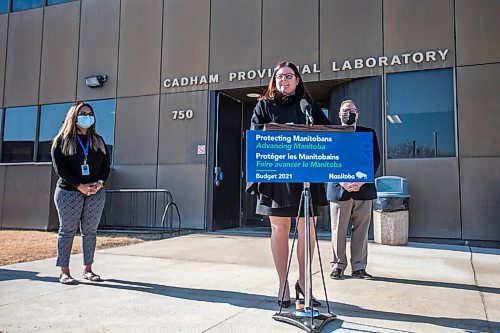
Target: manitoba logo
361,175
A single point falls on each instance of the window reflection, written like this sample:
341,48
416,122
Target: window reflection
55,2
325,111
19,134
4,6
105,120
51,118
420,114
19,130
26,4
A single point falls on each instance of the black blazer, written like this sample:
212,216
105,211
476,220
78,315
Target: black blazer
335,192
287,110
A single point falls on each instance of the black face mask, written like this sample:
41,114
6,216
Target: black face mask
348,118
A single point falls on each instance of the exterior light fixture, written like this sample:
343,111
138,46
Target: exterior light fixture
96,80
253,95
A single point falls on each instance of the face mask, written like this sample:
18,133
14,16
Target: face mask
348,118
85,121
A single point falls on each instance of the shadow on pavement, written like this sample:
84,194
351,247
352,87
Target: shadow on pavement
263,302
495,250
439,284
14,274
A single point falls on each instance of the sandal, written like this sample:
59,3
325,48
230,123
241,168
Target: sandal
91,276
67,279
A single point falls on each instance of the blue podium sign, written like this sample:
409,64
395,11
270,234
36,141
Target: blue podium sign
316,157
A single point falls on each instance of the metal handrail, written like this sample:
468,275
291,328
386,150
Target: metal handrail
166,223
171,204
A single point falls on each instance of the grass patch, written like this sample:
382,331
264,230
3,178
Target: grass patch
25,245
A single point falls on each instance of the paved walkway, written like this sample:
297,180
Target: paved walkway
227,283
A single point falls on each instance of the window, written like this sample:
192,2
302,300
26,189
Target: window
325,111
105,121
55,2
420,114
4,6
51,118
19,134
18,5
20,128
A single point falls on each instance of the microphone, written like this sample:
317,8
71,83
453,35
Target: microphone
306,109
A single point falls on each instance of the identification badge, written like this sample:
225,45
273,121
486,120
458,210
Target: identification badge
85,170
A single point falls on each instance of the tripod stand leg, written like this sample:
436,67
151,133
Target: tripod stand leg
321,268
308,319
282,292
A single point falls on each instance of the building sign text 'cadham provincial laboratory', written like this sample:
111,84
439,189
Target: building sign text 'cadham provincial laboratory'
347,65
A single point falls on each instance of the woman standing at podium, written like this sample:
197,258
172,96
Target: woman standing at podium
280,201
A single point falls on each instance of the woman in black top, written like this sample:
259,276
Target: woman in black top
280,201
81,160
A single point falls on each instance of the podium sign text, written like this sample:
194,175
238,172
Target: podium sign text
316,157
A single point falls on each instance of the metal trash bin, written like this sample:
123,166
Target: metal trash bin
391,211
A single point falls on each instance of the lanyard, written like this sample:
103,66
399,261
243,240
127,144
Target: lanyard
85,150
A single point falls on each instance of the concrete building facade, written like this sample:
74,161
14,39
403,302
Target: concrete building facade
174,108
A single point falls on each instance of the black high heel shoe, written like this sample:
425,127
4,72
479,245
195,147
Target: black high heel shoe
285,303
298,292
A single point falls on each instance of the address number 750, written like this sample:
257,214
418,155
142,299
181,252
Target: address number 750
182,114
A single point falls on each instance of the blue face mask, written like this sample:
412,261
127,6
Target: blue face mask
85,121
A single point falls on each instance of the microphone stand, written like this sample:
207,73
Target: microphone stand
308,302
298,317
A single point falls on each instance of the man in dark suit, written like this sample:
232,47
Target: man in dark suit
352,202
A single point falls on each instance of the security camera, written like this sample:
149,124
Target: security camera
95,81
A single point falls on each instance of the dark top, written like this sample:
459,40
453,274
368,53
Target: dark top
335,192
286,110
69,168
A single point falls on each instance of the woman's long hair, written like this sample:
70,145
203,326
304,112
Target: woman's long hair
272,93
68,132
